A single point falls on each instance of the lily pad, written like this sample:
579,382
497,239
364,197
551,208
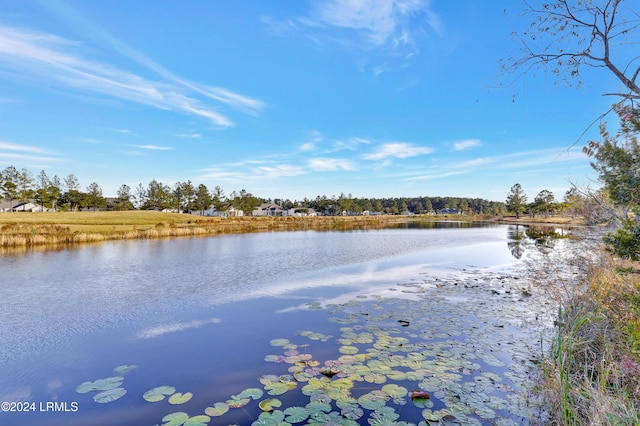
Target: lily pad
275,418
296,414
348,350
394,391
109,395
352,413
158,393
237,401
253,393
279,342
100,384
218,409
180,398
175,419
269,404
200,420
123,369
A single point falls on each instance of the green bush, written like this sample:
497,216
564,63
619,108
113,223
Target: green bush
625,242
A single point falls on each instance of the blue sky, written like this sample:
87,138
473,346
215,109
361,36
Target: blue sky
288,98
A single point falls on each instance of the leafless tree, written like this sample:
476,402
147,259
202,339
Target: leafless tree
567,36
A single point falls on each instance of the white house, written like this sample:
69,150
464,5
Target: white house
22,206
269,209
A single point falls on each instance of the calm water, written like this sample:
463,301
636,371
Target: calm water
199,314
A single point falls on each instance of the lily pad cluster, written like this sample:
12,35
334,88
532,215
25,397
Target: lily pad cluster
435,358
108,389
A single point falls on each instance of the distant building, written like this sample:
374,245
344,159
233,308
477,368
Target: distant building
449,211
22,206
269,209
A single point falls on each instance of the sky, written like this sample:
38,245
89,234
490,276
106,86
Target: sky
290,98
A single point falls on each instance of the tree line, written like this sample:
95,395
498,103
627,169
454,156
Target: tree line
67,195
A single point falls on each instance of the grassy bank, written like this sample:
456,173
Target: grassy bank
29,230
593,374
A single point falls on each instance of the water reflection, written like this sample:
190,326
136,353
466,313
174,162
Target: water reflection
520,238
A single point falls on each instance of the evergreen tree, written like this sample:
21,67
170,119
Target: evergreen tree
516,200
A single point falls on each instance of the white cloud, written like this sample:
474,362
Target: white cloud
391,24
278,171
23,148
437,175
11,153
250,171
189,135
309,146
350,144
154,147
466,144
330,164
54,60
398,150
163,329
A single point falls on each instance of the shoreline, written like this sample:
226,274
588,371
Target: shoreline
64,229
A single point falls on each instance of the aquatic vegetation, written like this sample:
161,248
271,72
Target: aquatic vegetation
158,393
452,364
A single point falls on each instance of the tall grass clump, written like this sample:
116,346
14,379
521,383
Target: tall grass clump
592,376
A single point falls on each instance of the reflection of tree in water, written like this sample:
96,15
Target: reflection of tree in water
515,236
520,237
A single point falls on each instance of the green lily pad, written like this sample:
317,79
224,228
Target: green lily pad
277,388
253,393
158,393
237,401
275,418
279,342
123,369
200,420
180,398
296,414
394,391
373,400
175,419
352,413
269,404
348,350
100,385
109,395
218,409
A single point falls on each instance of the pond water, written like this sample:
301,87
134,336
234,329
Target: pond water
411,325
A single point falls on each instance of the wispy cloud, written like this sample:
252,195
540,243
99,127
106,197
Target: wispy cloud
275,172
90,29
465,144
330,164
154,147
246,172
397,150
12,153
391,24
163,329
22,148
431,176
525,162
350,144
54,60
188,135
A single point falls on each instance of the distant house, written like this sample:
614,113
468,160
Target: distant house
449,211
269,209
211,211
23,206
301,211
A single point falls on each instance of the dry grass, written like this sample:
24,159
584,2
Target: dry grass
593,375
63,228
